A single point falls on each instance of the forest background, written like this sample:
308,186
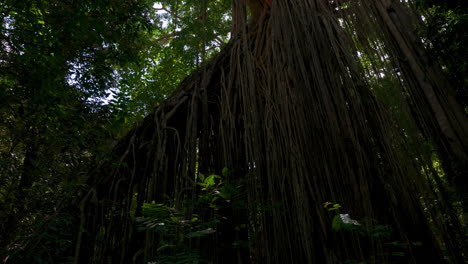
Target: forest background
75,76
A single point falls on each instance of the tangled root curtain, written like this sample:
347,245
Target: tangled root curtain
312,101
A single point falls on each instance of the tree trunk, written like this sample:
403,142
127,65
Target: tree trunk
28,172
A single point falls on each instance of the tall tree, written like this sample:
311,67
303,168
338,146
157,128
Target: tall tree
285,106
300,124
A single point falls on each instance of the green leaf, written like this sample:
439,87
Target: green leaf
332,208
202,177
201,233
211,180
337,223
165,246
225,172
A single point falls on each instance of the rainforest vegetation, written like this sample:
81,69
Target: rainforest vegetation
233,131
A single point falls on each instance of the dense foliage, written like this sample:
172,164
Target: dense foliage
57,62
446,23
73,75
76,75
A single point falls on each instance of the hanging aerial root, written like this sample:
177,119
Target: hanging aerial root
288,108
